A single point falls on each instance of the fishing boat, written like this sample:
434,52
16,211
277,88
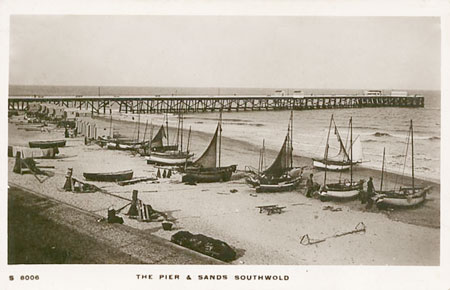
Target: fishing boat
341,191
47,144
207,168
405,196
124,143
279,176
109,176
173,157
341,161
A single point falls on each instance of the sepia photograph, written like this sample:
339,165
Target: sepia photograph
227,140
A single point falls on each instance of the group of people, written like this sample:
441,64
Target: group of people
365,195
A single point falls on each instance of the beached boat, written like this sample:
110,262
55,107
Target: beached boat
341,191
169,158
173,157
47,144
341,161
278,177
207,167
109,176
404,196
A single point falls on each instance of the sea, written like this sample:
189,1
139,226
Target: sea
377,128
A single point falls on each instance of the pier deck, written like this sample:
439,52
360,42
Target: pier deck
194,104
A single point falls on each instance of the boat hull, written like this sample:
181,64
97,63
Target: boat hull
169,159
47,144
332,165
391,199
206,175
110,176
341,191
118,146
280,187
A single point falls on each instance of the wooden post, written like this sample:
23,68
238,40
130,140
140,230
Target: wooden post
68,185
133,211
18,165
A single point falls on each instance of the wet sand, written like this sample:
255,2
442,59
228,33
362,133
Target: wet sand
392,237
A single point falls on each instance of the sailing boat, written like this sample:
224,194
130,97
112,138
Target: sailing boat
156,144
405,196
278,176
207,167
124,144
341,190
341,161
172,157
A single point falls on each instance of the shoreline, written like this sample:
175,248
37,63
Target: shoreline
228,211
235,151
272,152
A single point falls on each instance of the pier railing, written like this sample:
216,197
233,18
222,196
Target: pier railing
194,104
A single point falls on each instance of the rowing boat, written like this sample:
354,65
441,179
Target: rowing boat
109,176
47,144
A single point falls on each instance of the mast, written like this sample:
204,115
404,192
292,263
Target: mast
291,138
326,152
167,128
182,131
151,137
412,153
382,170
145,131
220,136
139,126
178,130
187,149
110,127
351,151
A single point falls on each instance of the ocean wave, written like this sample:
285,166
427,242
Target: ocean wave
381,134
248,124
369,141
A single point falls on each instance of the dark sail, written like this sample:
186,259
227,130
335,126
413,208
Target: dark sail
283,160
209,157
158,139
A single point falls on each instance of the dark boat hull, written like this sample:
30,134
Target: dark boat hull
47,144
204,175
110,176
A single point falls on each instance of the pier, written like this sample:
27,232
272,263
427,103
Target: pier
195,104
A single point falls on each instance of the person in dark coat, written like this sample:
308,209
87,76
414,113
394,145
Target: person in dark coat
309,186
370,193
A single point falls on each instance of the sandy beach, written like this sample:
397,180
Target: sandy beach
394,237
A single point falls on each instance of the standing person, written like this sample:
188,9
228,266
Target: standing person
309,186
370,193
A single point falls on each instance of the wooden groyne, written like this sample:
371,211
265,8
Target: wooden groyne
194,104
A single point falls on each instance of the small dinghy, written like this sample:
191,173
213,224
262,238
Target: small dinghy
109,176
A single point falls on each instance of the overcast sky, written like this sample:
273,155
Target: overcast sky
226,51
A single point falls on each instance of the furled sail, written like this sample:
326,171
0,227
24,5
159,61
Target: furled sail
209,157
158,139
283,160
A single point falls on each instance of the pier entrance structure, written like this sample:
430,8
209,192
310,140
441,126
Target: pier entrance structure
194,104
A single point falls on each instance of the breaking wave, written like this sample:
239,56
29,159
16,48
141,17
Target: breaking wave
381,134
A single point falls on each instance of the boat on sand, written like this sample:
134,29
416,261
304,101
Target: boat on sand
47,144
109,176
